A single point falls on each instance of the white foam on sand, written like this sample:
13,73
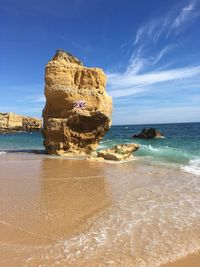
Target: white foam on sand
146,226
192,167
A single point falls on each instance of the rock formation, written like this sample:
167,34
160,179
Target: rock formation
118,152
78,110
149,134
11,122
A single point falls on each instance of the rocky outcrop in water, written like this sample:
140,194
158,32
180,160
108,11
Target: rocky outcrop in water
119,152
11,122
149,134
78,110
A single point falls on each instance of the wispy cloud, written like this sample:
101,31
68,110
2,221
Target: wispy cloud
38,99
162,53
171,23
158,115
145,67
151,30
126,84
186,14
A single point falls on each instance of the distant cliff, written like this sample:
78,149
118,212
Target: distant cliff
11,122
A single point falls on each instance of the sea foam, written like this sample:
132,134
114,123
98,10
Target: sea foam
164,152
192,167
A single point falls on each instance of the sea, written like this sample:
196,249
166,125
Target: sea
180,146
62,212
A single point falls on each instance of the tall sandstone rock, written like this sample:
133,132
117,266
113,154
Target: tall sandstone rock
78,110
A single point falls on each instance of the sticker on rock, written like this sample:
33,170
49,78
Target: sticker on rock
79,104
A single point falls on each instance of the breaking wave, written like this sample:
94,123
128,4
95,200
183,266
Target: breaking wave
192,167
165,152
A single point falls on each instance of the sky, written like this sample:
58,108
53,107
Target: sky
149,51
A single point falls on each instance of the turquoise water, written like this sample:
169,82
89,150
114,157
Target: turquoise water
181,144
21,141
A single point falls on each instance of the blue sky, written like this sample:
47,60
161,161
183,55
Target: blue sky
148,49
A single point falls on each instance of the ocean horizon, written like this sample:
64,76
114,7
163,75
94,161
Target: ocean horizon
180,145
78,186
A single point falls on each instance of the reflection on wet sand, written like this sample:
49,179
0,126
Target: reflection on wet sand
71,192
58,212
46,200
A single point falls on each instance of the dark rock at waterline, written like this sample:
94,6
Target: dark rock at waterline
149,134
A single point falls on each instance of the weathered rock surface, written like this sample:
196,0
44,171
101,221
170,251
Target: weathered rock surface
149,133
119,152
78,110
11,122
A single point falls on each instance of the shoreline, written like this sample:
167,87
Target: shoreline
85,213
42,152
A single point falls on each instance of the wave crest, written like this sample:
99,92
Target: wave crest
165,152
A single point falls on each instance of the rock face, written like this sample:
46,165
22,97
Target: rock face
149,133
11,122
78,110
119,152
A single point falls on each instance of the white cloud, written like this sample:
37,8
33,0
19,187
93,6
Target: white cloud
38,99
184,15
142,71
139,62
129,84
126,92
172,22
162,52
152,30
157,115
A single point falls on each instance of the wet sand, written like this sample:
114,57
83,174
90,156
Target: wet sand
59,212
192,260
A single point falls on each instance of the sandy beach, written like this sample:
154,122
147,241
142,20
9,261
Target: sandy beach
100,133
59,212
192,260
